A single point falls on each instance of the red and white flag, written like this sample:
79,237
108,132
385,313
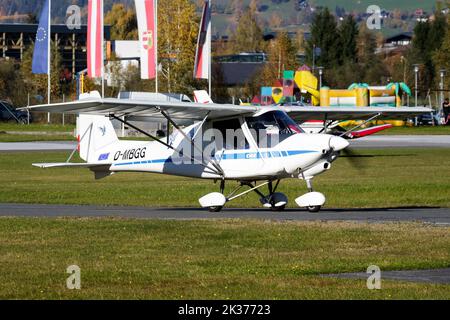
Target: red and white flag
95,39
203,54
145,10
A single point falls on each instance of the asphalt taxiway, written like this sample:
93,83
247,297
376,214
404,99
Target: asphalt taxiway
437,276
436,216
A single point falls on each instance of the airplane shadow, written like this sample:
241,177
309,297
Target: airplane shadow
292,210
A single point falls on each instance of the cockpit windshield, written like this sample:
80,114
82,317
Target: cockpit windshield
271,128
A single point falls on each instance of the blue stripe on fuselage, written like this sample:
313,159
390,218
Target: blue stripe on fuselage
231,156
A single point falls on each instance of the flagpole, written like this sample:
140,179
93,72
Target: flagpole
103,49
210,48
49,50
156,46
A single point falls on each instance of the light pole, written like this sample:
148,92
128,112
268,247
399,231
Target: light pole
416,80
320,76
442,72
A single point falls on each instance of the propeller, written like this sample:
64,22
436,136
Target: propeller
356,160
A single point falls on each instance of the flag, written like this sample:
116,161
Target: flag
203,54
145,10
41,46
95,39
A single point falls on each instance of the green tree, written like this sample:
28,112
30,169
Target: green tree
10,81
123,22
324,35
441,57
348,33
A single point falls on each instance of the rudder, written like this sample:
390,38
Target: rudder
94,133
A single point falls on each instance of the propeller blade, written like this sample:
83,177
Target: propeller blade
356,160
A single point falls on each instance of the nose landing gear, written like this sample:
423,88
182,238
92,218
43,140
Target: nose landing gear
312,201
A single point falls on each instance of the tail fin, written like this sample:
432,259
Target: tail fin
201,96
94,133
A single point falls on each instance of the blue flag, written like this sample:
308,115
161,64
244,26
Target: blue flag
41,47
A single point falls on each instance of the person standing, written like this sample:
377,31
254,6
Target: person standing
446,109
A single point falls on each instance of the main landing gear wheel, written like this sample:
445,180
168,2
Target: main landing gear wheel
215,209
278,209
275,201
314,209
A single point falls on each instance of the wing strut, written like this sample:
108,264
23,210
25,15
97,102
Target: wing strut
220,173
191,140
362,124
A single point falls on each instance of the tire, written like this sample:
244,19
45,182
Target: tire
23,120
314,209
278,209
215,209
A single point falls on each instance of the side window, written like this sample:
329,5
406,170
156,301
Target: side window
271,128
232,136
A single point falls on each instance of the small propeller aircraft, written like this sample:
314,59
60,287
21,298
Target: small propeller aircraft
254,145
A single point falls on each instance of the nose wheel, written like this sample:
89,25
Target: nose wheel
314,209
312,201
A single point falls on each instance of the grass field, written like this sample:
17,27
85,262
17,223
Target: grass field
35,132
382,178
221,259
35,127
232,259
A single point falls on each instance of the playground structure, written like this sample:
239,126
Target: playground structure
302,86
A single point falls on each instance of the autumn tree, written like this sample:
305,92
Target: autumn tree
248,36
123,22
36,84
281,56
177,39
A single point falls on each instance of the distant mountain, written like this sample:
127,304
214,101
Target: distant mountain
290,15
17,10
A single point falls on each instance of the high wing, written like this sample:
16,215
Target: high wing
140,109
187,111
299,113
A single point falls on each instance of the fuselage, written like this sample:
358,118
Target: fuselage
292,153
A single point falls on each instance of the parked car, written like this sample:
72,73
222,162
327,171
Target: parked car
429,118
9,113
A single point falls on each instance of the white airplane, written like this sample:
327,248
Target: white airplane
266,144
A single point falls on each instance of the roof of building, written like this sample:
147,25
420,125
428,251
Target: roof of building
238,73
400,36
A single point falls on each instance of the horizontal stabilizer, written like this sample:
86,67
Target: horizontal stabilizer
92,166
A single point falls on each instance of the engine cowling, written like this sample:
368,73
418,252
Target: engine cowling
317,169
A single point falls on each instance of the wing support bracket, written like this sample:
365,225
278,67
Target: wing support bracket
191,140
213,170
362,124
